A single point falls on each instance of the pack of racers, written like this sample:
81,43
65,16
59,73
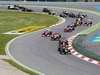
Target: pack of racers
69,28
50,12
81,19
83,22
87,22
63,44
63,15
55,36
47,33
63,47
72,15
78,22
20,8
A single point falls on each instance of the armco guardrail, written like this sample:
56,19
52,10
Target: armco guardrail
89,5
50,3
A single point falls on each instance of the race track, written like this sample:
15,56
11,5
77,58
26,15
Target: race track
41,54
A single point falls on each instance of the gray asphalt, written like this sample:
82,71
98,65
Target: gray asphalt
41,54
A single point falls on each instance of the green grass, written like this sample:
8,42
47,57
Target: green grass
12,20
77,44
30,28
11,62
3,40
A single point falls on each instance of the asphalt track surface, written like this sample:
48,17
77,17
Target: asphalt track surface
41,54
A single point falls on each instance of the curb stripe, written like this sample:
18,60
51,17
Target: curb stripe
75,53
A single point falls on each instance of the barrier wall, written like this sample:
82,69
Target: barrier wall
85,5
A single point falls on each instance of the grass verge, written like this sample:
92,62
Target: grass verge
77,44
3,40
30,29
11,62
12,20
